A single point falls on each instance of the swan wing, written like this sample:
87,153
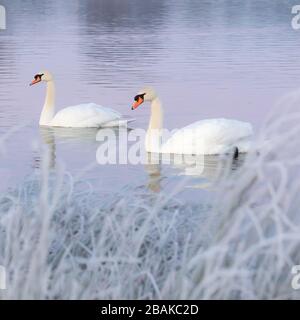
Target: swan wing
212,136
85,115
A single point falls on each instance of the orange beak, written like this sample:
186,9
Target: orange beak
35,82
137,103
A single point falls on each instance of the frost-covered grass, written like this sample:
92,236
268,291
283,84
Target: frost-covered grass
58,239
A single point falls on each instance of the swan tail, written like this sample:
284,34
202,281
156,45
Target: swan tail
235,153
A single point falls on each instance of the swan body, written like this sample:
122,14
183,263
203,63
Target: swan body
88,115
208,137
211,136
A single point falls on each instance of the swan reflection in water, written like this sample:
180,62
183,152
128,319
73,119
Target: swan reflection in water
52,136
203,170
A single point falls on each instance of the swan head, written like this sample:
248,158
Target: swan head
146,94
42,76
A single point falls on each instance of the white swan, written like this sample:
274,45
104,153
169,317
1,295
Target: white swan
87,115
211,137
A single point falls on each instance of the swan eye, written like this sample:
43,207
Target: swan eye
136,98
38,76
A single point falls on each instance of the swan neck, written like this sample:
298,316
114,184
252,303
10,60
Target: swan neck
154,137
156,119
48,109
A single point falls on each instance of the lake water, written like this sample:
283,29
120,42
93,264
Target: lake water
206,59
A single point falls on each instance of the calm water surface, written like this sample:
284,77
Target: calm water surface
206,59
